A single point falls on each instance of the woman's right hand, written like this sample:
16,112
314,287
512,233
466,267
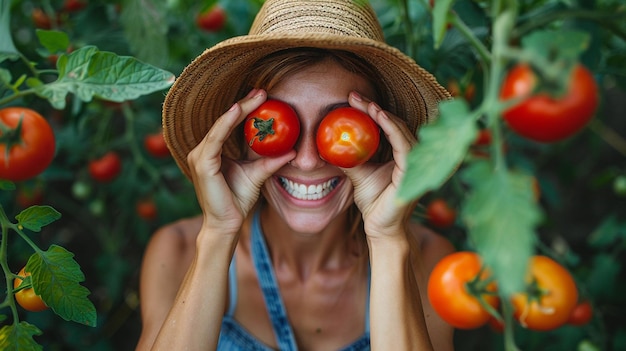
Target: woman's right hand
227,189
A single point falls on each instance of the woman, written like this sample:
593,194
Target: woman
263,268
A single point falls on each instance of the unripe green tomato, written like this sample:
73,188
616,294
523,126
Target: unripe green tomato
619,185
81,190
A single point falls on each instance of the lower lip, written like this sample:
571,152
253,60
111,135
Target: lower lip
304,202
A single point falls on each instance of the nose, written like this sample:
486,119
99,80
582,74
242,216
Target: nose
307,156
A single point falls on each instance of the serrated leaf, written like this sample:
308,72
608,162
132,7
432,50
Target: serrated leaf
442,146
501,215
441,9
19,337
88,72
36,217
53,40
56,277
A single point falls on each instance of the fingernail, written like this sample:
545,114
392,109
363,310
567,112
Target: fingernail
232,108
252,92
356,96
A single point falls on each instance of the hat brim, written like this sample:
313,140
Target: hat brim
209,85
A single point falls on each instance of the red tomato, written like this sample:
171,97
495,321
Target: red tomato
550,297
483,138
106,168
211,20
272,129
440,214
543,118
450,295
582,314
31,149
146,209
156,146
74,5
41,19
27,298
347,137
29,196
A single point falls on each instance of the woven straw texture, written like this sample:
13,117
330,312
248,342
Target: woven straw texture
209,85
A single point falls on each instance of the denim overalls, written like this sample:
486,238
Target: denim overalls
234,337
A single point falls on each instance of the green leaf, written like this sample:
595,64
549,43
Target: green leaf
36,217
54,41
441,149
501,215
6,185
7,48
440,20
18,337
88,72
56,277
143,23
607,233
555,45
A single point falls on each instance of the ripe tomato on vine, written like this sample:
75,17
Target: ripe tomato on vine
26,297
27,143
545,118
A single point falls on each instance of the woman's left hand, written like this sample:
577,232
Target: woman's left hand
376,185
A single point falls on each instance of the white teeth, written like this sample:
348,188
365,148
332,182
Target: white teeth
312,192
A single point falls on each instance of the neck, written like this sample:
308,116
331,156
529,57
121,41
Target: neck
301,255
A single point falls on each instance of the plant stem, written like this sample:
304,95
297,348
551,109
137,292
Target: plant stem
460,25
8,275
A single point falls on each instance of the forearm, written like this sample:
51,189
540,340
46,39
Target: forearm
201,299
396,317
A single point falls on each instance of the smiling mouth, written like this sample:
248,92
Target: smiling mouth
308,192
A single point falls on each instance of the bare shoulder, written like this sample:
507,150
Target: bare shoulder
431,246
167,257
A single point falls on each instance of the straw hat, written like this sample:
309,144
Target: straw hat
210,84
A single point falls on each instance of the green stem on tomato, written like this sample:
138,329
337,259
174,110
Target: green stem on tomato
509,336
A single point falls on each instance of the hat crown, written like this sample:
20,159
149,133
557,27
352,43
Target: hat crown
352,18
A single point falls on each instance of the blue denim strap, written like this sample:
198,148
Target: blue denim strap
267,280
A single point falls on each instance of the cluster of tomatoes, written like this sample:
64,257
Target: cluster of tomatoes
346,137
463,294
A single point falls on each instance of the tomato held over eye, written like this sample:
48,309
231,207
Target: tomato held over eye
106,168
26,148
453,290
272,129
550,296
544,118
27,298
347,137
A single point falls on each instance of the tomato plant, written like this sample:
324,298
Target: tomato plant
74,5
105,168
440,214
155,145
26,297
272,129
347,137
581,314
550,297
212,19
456,286
27,143
546,118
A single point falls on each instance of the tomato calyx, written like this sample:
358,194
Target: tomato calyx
11,136
483,285
26,283
264,127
